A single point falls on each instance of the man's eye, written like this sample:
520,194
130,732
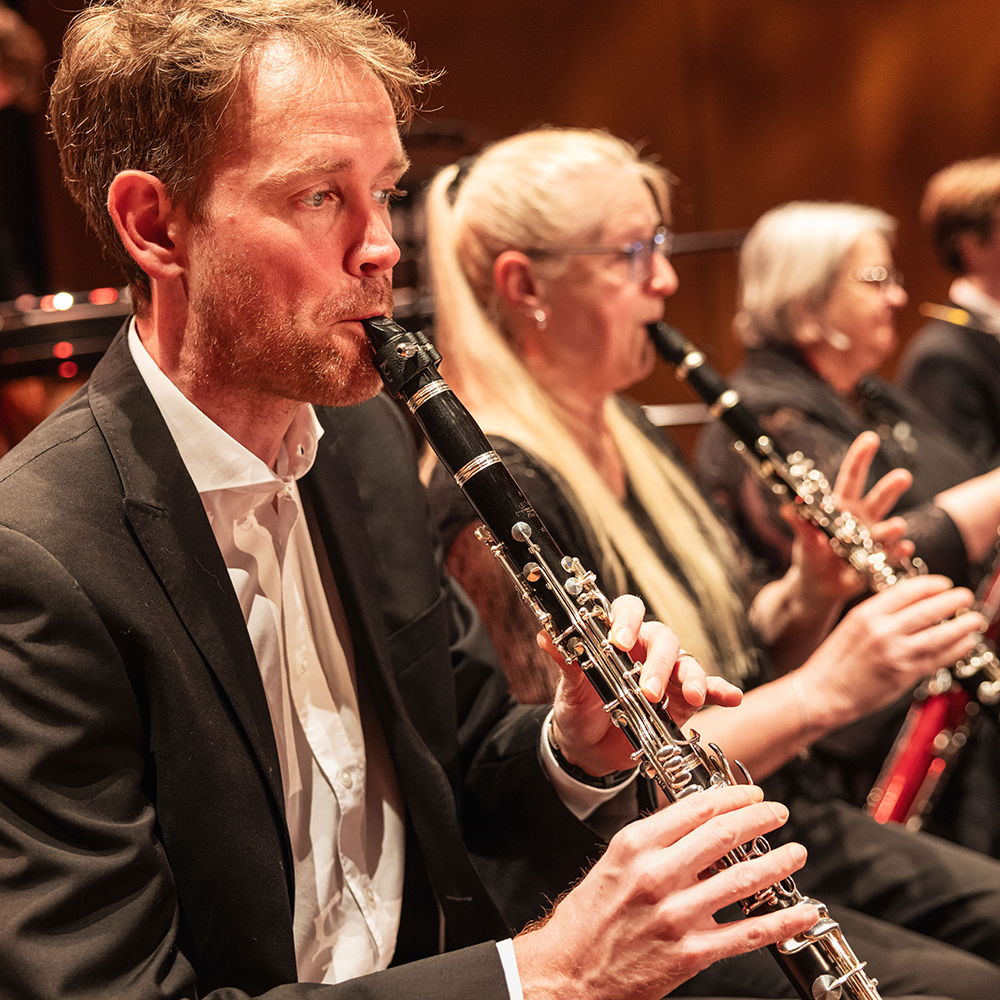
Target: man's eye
316,199
386,196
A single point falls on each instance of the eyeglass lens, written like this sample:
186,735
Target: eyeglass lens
878,275
640,254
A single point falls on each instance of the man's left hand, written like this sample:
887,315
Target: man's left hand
584,731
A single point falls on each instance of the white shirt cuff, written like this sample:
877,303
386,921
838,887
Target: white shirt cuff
579,798
509,962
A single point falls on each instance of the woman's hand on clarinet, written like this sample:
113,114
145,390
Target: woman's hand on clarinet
641,922
824,574
584,731
793,614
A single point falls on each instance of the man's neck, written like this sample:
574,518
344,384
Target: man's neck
257,422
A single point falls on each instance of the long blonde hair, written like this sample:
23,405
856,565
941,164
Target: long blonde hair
524,192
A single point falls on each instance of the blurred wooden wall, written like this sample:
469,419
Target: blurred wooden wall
750,103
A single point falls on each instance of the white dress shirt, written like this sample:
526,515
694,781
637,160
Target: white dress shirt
344,813
343,809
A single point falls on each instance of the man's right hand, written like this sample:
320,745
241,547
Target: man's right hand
641,922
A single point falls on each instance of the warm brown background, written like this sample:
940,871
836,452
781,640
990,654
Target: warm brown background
750,102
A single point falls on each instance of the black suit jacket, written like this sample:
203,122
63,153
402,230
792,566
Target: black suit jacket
143,849
955,373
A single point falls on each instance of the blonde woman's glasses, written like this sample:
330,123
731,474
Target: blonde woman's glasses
639,254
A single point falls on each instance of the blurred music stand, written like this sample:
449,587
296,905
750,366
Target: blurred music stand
48,347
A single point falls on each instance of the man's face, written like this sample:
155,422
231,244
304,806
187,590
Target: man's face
296,247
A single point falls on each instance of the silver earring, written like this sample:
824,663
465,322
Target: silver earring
541,320
837,340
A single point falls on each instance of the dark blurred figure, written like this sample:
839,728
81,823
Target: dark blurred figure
48,348
22,57
953,363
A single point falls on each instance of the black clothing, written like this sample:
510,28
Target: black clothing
954,372
803,413
145,854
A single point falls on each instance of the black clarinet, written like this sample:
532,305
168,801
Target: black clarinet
795,477
570,607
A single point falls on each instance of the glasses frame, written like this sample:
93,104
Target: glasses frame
881,277
638,254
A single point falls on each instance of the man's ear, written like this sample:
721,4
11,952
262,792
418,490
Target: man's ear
149,224
517,285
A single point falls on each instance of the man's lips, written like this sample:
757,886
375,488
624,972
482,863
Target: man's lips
360,317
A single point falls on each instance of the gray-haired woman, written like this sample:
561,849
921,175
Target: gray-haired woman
819,298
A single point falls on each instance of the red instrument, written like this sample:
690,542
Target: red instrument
935,730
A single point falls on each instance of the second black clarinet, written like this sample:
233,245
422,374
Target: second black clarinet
934,730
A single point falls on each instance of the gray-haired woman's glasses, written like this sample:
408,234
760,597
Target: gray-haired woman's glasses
639,254
878,276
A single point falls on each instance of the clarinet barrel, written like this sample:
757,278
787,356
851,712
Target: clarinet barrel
568,604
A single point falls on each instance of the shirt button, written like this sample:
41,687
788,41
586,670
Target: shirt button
303,666
346,780
369,894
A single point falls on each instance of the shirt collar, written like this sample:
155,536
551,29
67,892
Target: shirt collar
214,459
965,294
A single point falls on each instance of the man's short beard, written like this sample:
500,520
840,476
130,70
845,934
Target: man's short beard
243,340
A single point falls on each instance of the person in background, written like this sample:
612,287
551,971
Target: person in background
952,364
819,298
22,88
818,302
252,733
22,55
549,258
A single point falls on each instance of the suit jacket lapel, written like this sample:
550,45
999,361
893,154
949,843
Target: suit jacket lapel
166,513
429,797
333,494
160,498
